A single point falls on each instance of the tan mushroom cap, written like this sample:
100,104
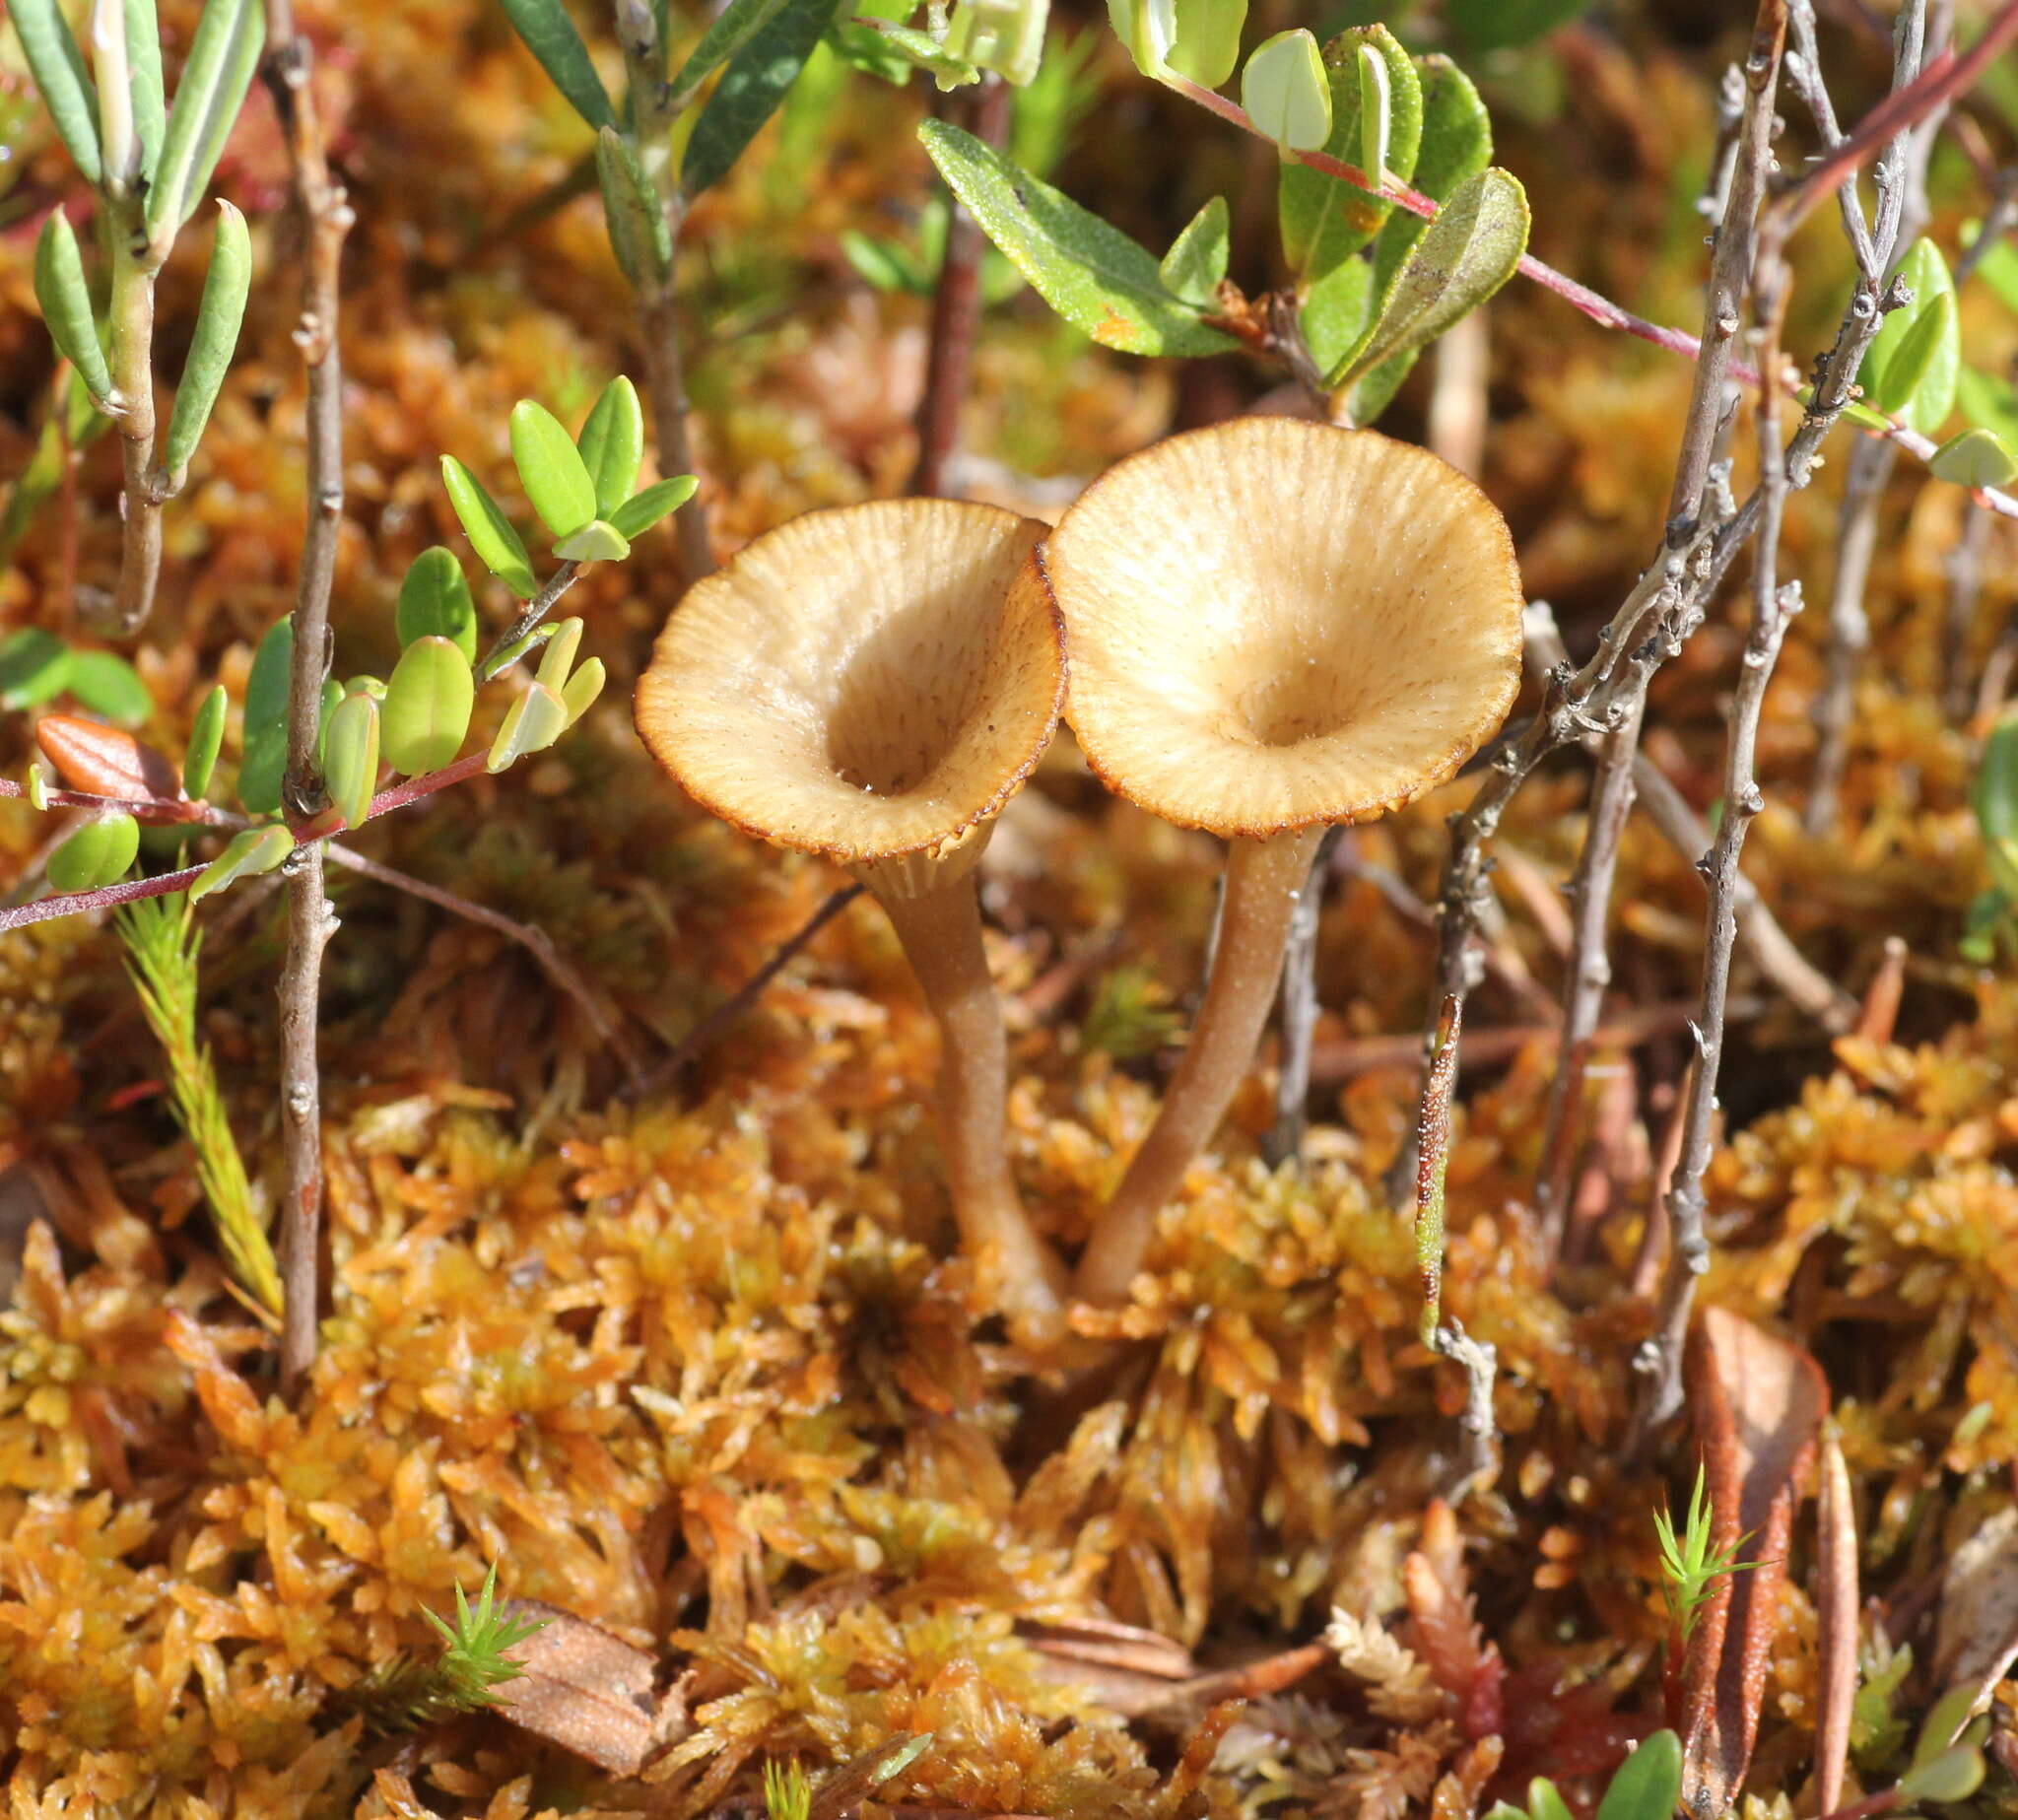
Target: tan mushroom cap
1275,624
871,683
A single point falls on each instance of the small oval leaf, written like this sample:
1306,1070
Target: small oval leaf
206,737
612,445
428,705
261,771
582,689
1973,458
534,721
489,531
1954,1774
644,508
250,852
65,301
266,687
34,665
96,855
350,765
107,685
434,602
103,761
57,66
596,542
1647,1785
217,319
1286,92
559,658
1198,260
551,469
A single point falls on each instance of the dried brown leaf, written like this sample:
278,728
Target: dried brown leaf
1977,1639
586,1691
1757,1404
105,761
1837,1604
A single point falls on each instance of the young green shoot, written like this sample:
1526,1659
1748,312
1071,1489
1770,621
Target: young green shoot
1690,1564
787,1793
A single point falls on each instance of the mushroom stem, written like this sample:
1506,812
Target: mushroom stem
940,930
1263,879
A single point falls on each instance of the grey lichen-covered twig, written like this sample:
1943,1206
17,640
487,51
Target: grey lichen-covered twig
1784,467
326,219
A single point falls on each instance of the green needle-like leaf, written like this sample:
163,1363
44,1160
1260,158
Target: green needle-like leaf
1198,260
750,88
223,56
250,852
612,445
641,511
144,81
549,34
218,316
490,532
434,602
65,301
57,66
551,469
96,855
206,737
1092,275
428,703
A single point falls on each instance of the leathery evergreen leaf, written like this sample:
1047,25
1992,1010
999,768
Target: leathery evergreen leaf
750,88
65,301
434,602
612,445
645,508
96,855
549,34
427,708
1286,91
1325,220
206,736
1198,260
350,762
1910,369
1647,1785
490,533
551,469
1092,275
532,722
223,56
1469,251
1975,458
251,851
218,316
1456,145
57,66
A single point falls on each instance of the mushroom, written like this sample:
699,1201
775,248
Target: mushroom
1274,625
872,683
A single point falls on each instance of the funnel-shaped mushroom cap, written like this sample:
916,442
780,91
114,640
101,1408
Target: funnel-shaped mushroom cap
1275,624
871,683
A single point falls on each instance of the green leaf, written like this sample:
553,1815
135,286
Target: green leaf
596,542
639,234
884,264
222,55
919,50
750,88
612,445
96,855
1200,39
582,689
1456,143
1338,311
250,852
350,763
563,639
551,469
427,708
206,737
1091,274
643,510
434,602
65,301
1909,369
144,81
1373,391
107,685
1471,250
1198,260
1953,1775
1997,268
549,34
34,665
226,287
1988,403
262,770
737,23
1975,458
1499,25
1286,91
1325,220
1004,36
532,722
1647,1785
489,531
1545,1801
57,66
268,684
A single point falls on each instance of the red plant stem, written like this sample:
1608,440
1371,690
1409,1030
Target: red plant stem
1608,315
146,808
318,827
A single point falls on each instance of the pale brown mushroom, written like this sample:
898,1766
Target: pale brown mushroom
873,683
1274,625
